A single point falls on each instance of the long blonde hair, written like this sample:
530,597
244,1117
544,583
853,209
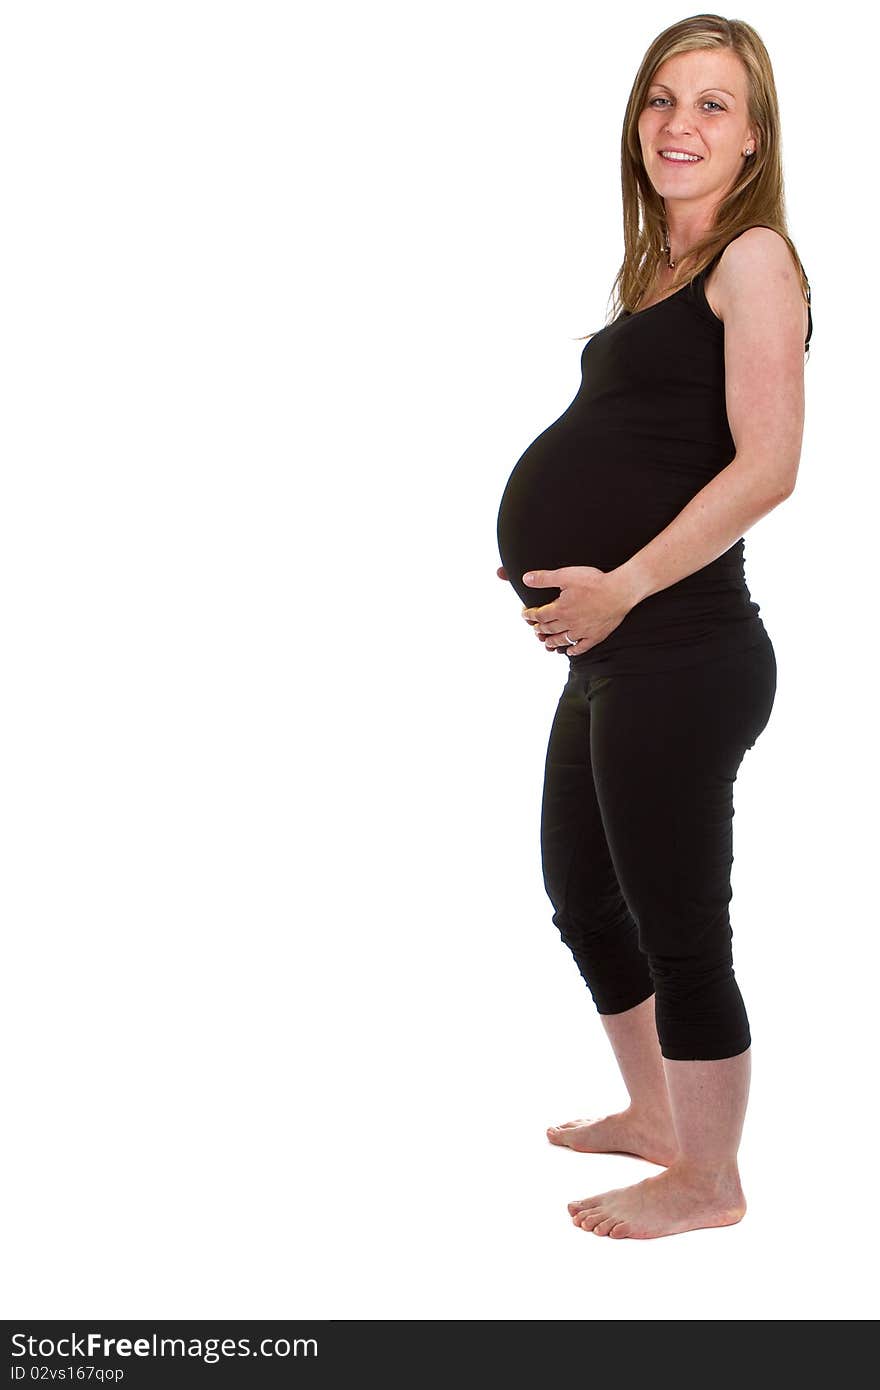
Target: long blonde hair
757,197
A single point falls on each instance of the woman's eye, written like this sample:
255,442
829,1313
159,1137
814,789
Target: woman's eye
708,102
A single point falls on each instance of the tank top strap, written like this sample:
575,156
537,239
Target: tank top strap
809,319
707,269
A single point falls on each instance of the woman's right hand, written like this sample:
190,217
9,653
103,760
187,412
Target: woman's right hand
502,574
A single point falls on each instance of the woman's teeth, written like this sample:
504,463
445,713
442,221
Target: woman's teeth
681,158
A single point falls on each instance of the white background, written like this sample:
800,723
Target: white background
287,290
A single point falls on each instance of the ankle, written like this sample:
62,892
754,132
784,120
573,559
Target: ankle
652,1116
712,1173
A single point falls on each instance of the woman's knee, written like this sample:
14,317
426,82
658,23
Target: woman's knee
605,947
699,1008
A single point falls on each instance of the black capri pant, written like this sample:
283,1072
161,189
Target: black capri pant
637,839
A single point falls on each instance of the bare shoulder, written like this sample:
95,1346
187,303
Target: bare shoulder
756,267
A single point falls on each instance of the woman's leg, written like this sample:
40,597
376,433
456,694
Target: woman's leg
666,750
598,928
709,1102
645,1128
633,1038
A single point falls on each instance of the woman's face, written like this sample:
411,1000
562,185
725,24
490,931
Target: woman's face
696,102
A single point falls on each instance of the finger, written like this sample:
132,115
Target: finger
541,579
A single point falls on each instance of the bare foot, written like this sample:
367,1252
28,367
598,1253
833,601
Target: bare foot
681,1199
628,1132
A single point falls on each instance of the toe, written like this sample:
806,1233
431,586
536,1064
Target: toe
562,1139
620,1231
588,1220
603,1227
575,1207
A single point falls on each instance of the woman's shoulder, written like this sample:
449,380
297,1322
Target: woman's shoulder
756,248
756,254
757,260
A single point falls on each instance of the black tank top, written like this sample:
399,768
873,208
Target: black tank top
646,431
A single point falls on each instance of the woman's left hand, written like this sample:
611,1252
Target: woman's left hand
591,604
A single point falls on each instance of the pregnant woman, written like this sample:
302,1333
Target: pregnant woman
686,430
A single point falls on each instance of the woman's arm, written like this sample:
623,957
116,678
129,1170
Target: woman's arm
759,298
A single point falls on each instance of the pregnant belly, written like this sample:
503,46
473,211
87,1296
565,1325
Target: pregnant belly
577,498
